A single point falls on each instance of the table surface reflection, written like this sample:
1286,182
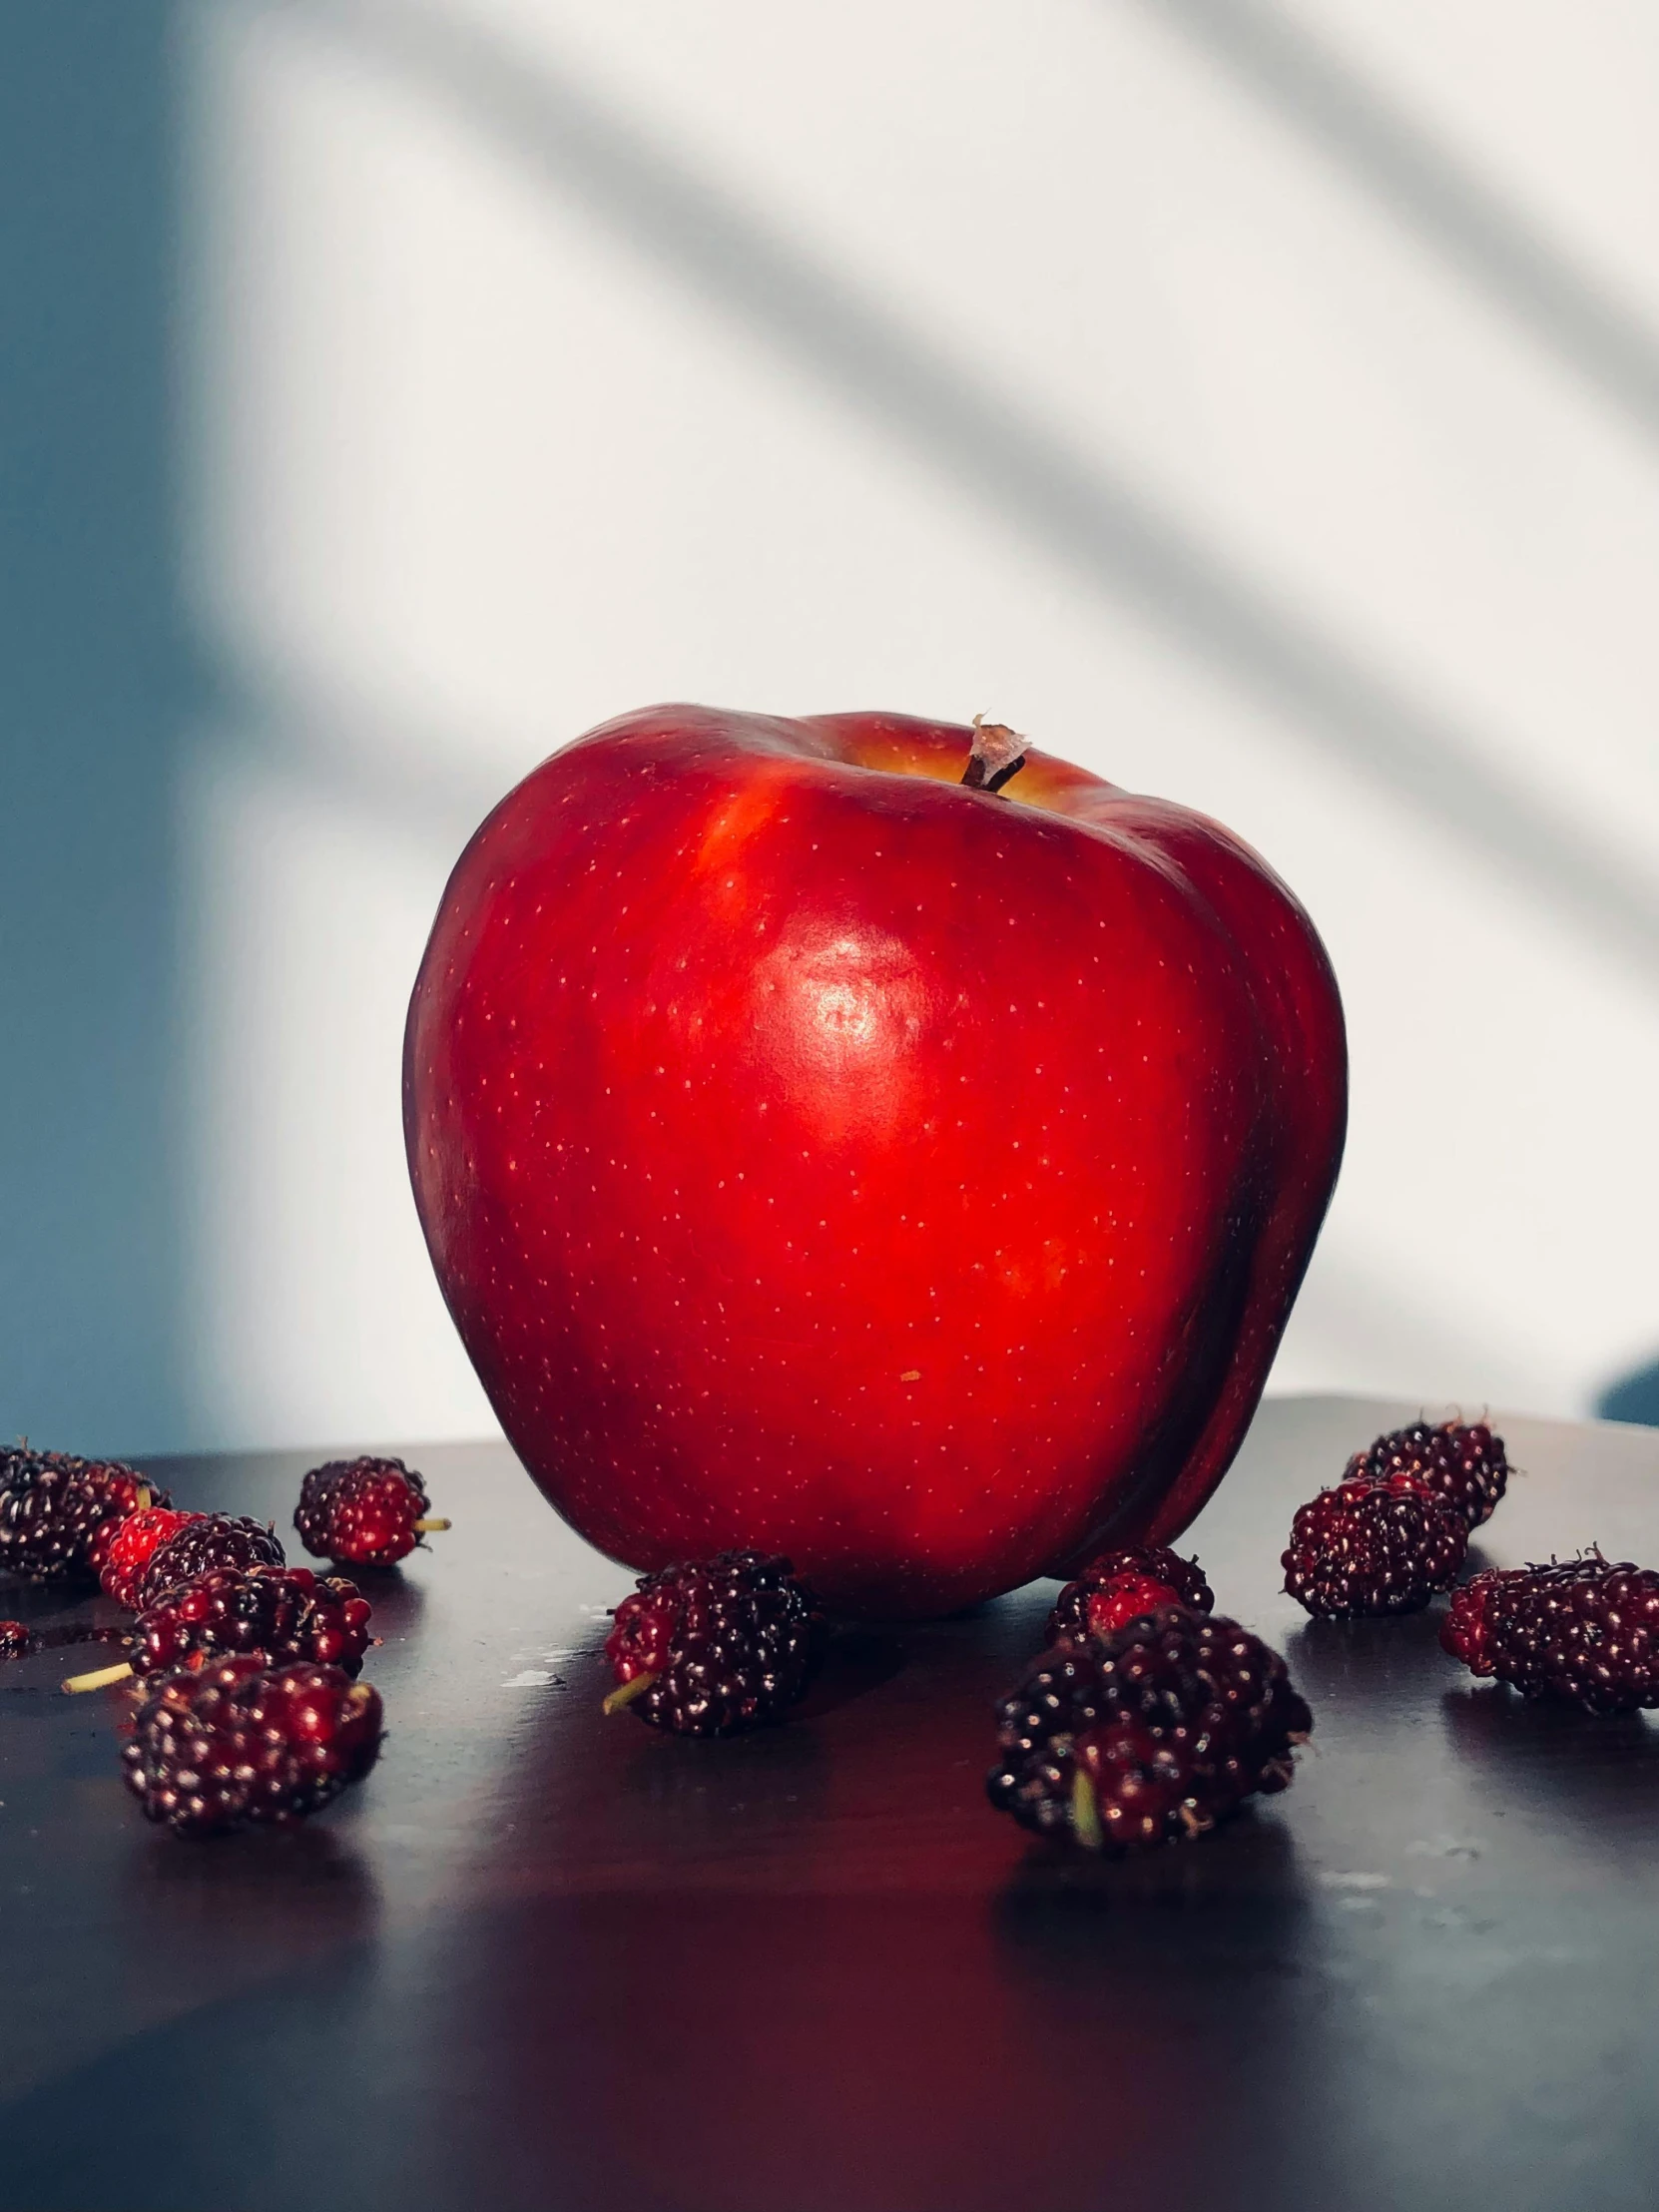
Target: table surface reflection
544,1960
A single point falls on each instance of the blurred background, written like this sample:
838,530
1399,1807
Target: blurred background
1257,400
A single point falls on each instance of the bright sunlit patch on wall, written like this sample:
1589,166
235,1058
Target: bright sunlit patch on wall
486,440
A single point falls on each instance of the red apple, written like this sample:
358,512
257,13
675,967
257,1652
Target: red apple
819,1154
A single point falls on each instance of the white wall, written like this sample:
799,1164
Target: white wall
1257,404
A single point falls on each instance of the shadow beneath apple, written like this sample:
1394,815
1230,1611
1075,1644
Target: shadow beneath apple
857,1661
984,1607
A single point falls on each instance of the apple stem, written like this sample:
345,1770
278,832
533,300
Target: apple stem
98,1681
431,1526
999,753
625,1692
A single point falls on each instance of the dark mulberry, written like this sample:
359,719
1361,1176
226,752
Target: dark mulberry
1147,1736
289,1613
206,1540
1581,1629
716,1646
366,1512
1116,1587
136,1541
1467,1467
243,1741
1373,1546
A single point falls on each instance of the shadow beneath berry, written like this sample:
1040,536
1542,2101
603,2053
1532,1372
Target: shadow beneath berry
624,1802
764,1778
293,1881
397,1605
1354,1659
1588,1775
280,1896
857,1661
1211,1944
1061,1901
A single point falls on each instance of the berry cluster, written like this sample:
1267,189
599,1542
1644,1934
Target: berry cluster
1394,1531
251,1712
285,1612
204,1544
1583,1629
1146,1719
1149,1735
135,1543
713,1646
59,1515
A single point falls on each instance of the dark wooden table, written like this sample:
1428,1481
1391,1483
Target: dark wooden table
544,1960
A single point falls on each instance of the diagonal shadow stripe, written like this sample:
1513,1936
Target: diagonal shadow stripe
1488,243
1069,505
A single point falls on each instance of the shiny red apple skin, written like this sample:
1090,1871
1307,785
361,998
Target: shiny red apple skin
821,1156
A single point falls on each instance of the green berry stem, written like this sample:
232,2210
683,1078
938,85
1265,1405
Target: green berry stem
101,1679
1085,1812
625,1692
